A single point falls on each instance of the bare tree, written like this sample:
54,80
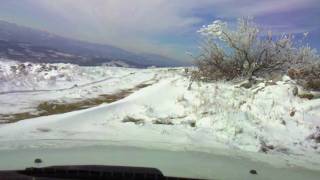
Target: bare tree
244,52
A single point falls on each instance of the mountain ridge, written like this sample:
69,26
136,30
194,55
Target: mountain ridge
88,53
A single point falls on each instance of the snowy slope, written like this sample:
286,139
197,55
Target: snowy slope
212,117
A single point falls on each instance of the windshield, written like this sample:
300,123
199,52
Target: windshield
204,89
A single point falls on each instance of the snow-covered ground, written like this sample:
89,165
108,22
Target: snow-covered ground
23,86
266,122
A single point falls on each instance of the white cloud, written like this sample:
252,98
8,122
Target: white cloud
125,23
140,16
136,24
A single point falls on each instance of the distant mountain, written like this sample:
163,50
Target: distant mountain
27,44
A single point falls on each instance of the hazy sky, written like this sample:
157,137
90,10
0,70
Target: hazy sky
166,27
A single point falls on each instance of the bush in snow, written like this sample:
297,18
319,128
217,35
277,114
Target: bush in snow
307,76
245,52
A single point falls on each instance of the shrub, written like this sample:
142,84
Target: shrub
245,52
307,76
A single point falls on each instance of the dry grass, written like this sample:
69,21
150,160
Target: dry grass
306,96
308,77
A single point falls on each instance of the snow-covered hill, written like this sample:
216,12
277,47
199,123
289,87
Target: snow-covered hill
16,76
267,120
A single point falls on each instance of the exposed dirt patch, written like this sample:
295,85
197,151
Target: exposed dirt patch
44,130
136,121
163,122
58,107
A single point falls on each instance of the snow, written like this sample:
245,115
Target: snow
23,91
219,117
28,76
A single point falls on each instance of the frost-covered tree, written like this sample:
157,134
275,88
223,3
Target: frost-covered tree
246,52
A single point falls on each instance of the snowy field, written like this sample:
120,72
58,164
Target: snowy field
266,122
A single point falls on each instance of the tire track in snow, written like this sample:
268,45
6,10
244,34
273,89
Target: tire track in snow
63,89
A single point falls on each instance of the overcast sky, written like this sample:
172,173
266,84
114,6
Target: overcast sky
166,27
